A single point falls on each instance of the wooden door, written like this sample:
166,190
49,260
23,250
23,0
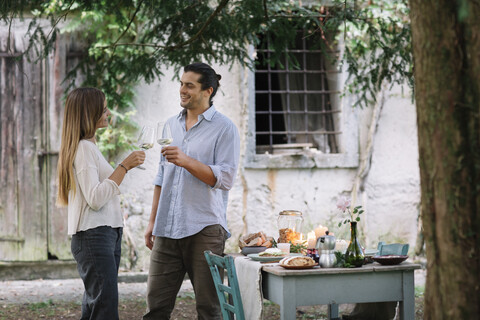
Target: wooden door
63,60
32,227
23,219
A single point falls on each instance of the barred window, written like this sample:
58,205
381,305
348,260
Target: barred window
296,107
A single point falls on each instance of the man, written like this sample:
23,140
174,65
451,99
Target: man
189,203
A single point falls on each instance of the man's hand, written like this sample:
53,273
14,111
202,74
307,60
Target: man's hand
199,170
175,155
149,237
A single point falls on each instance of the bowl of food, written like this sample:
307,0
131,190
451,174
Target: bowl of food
254,243
254,249
390,259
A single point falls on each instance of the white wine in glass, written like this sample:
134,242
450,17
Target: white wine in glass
146,140
164,138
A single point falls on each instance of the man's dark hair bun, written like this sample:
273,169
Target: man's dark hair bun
219,77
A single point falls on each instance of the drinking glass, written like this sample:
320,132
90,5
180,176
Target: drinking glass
164,138
146,140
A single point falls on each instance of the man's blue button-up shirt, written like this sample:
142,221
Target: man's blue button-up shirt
187,205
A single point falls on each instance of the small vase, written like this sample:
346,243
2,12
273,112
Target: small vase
354,254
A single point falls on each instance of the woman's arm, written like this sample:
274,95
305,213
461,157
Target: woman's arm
133,160
97,193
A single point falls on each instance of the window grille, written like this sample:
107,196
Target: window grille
296,106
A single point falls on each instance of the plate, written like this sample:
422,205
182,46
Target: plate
297,267
256,249
390,260
256,257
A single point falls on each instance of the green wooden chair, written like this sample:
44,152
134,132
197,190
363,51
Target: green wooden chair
228,295
392,249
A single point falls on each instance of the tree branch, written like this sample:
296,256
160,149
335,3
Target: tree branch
123,33
130,22
183,44
64,16
265,9
199,33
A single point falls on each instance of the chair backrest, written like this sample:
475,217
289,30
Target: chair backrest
228,294
392,249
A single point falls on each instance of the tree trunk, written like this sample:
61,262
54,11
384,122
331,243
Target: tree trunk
446,48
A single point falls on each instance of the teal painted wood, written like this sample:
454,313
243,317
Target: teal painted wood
334,286
228,295
392,249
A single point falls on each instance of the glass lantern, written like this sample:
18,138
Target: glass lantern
289,226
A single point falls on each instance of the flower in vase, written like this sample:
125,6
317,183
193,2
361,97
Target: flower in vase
344,204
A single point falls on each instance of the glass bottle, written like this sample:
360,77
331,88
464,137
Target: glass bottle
289,225
354,254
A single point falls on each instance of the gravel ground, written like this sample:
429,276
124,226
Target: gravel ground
130,285
17,292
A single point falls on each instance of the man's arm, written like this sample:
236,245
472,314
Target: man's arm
149,237
198,169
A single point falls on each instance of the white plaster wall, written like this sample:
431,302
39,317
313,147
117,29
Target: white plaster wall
391,195
392,190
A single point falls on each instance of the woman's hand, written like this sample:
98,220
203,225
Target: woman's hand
134,159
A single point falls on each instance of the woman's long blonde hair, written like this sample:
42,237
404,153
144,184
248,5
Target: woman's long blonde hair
83,109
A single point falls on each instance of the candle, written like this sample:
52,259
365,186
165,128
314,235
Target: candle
320,231
311,240
300,241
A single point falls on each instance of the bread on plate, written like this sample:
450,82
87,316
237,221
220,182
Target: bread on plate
297,261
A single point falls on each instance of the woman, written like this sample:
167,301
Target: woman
89,186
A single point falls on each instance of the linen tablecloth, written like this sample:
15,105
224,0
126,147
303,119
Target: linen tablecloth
249,275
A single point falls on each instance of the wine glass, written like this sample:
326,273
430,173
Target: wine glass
164,138
146,140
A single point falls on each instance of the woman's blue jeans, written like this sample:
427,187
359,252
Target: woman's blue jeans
97,252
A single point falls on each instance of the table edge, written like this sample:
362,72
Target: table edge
279,271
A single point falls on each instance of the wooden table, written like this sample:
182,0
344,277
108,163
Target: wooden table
370,283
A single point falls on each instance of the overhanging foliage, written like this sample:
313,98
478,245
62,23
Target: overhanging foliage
131,40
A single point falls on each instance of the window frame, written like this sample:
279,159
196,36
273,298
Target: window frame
348,144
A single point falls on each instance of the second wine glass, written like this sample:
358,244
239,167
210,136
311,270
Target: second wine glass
146,140
164,138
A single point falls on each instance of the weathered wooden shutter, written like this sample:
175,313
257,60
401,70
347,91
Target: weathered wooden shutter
64,59
32,228
23,219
